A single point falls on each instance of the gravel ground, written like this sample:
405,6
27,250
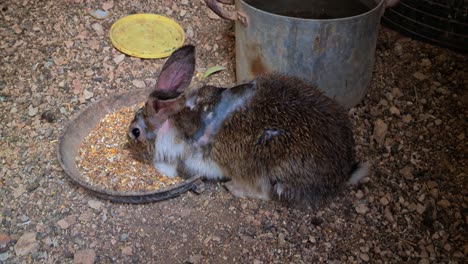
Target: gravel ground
412,126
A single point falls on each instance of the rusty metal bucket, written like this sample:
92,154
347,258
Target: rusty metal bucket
330,43
80,126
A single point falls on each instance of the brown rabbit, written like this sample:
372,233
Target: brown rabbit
275,137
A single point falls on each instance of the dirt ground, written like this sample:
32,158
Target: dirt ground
55,59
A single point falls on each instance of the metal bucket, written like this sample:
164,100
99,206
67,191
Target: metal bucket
330,43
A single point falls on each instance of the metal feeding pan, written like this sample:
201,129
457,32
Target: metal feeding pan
81,125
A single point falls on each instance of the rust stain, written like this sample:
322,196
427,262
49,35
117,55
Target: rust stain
257,67
316,43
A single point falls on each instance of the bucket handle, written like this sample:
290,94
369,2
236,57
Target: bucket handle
229,15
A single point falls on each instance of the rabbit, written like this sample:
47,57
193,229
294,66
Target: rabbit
276,137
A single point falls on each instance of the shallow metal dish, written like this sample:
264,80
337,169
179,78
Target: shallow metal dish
81,125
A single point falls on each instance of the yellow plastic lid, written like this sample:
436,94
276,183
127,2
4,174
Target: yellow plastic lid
148,36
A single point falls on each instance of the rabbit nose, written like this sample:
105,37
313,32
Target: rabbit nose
136,132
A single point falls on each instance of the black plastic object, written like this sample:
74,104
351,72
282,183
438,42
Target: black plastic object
79,127
440,22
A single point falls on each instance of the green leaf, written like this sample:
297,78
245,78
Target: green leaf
213,70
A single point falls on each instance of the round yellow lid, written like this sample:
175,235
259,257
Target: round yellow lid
147,36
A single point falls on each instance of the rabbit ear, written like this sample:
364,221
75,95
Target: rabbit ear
177,72
168,107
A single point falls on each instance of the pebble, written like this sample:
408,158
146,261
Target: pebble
124,237
98,28
86,256
419,76
127,251
362,209
119,58
396,92
195,259
420,208
364,257
359,194
407,172
26,244
87,94
448,247
32,111
139,83
66,222
398,49
95,204
380,130
4,241
394,110
384,201
443,203
461,136
4,256
407,118
189,33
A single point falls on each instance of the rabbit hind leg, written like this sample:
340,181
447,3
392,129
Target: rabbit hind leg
260,190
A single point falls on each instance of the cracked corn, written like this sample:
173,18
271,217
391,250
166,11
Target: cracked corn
106,161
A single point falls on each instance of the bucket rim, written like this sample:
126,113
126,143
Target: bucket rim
375,9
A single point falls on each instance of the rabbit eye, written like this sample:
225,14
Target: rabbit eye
136,132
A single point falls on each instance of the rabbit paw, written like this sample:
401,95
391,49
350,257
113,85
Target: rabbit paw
242,191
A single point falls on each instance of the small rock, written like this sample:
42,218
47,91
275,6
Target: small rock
424,261
26,244
98,28
420,208
32,111
398,49
303,230
407,118
119,58
124,237
281,239
359,194
127,251
380,130
444,203
396,92
394,110
461,136
66,222
419,76
448,247
426,63
364,257
87,94
17,192
86,256
182,13
107,5
96,205
438,122
362,209
407,172
432,184
139,84
4,256
190,34
195,259
4,241
384,201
